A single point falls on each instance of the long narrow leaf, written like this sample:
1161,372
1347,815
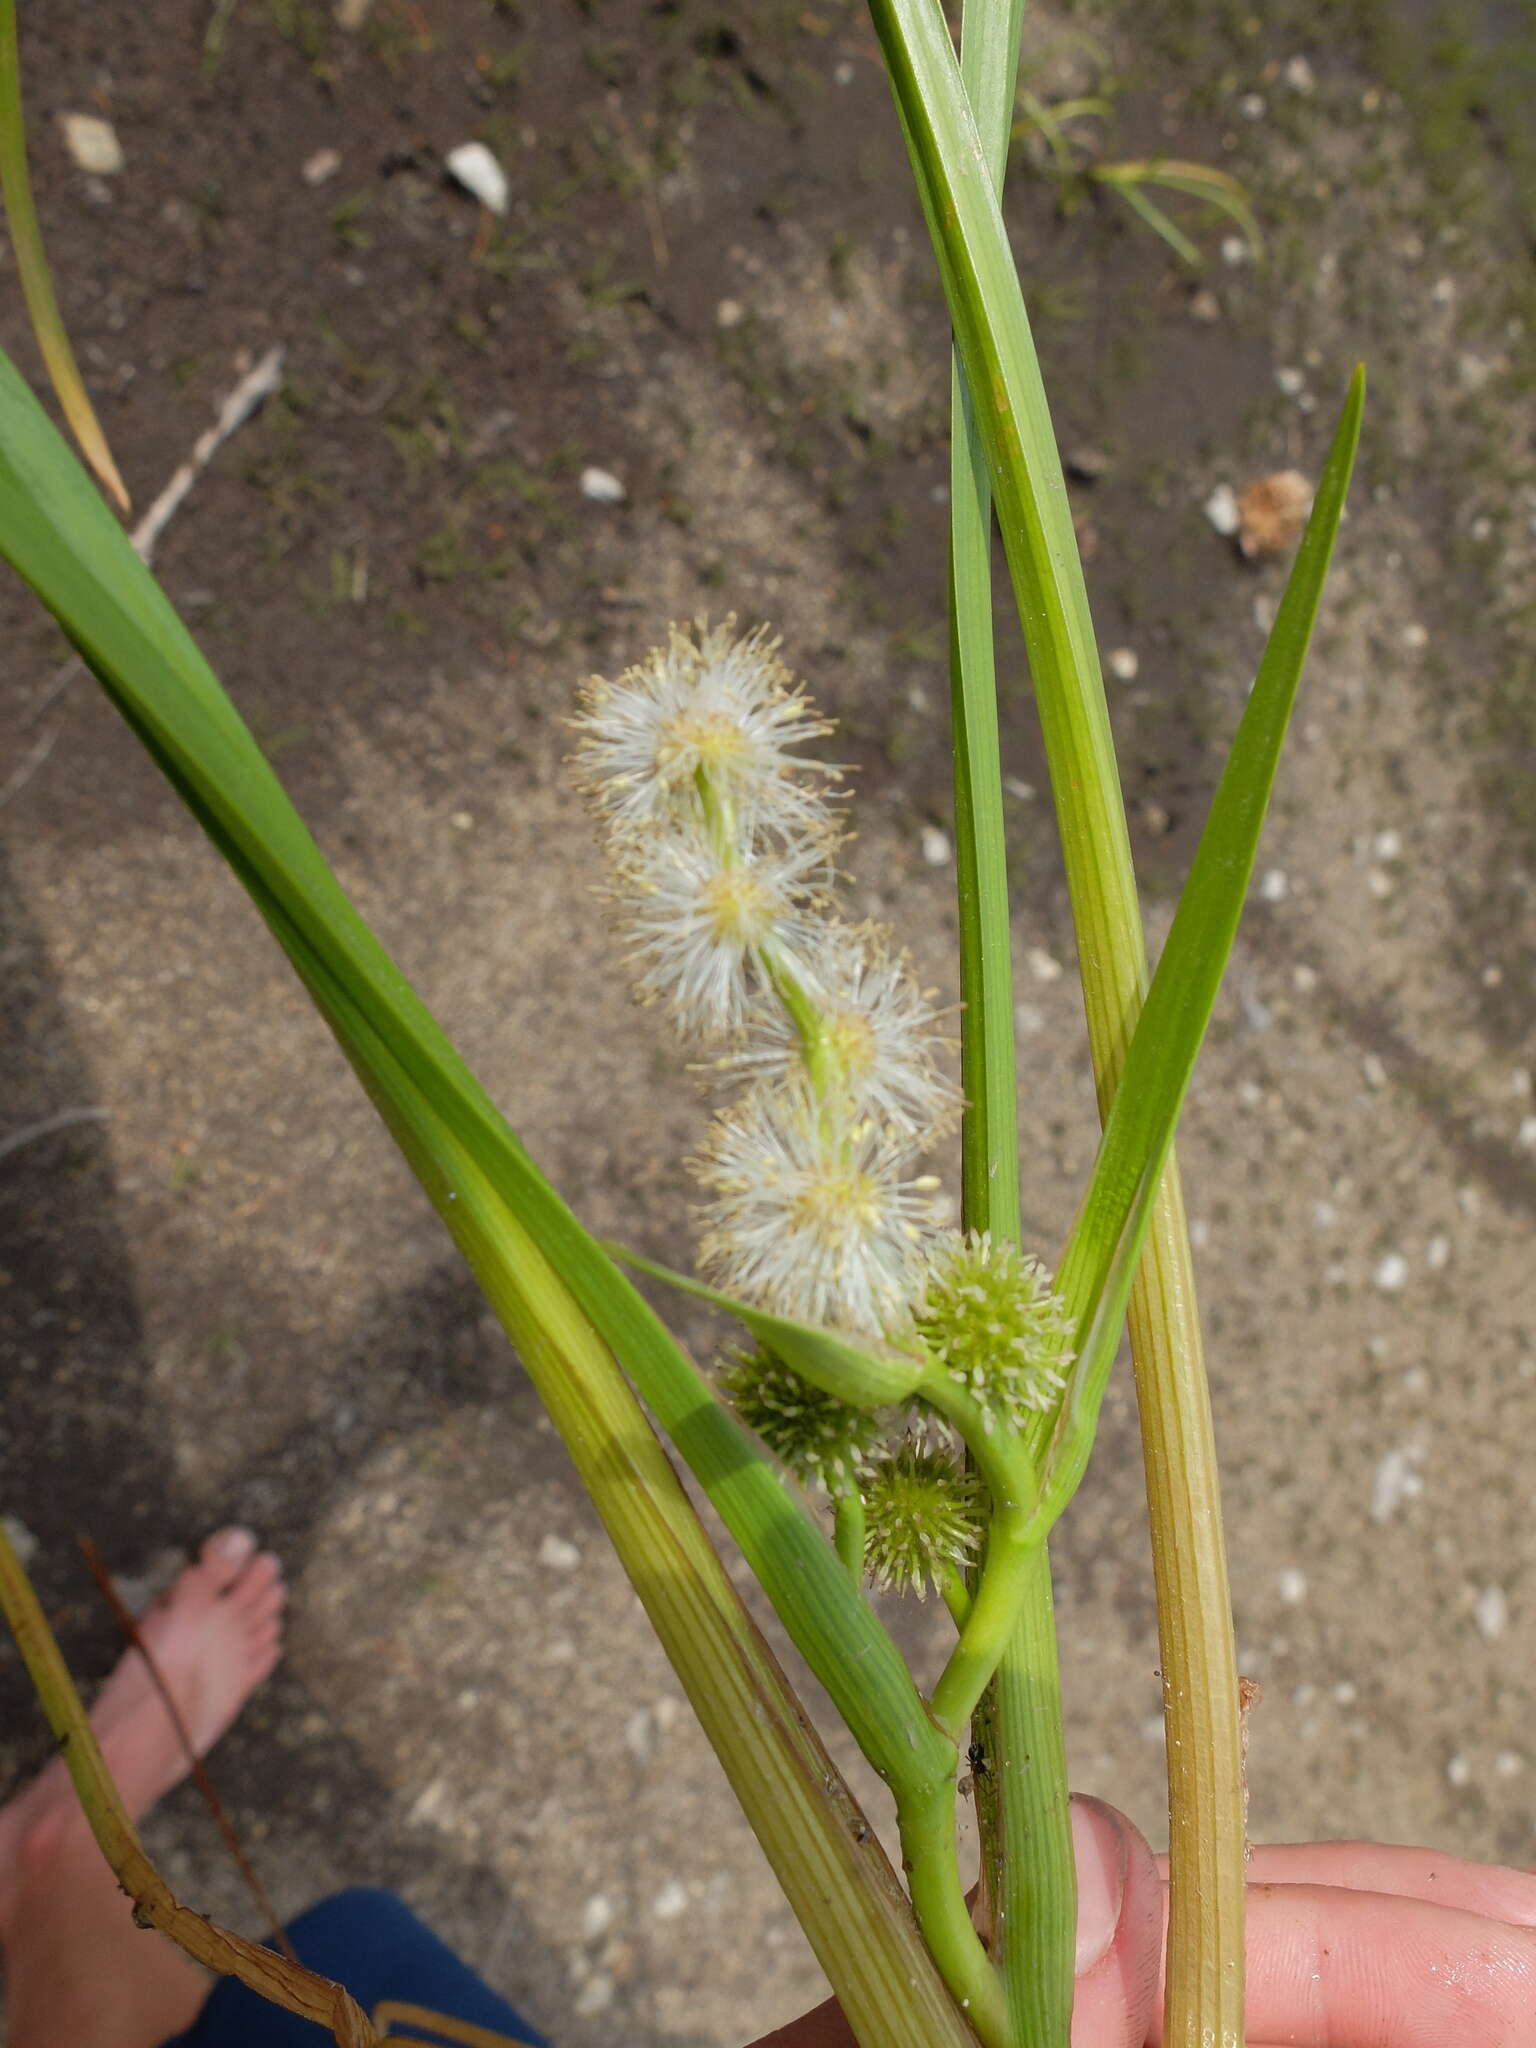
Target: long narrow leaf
57,533
1099,1263
60,537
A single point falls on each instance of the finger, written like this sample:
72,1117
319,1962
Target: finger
1332,1967
1119,1929
1492,1889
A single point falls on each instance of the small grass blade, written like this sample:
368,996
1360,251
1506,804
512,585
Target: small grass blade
1204,182
32,266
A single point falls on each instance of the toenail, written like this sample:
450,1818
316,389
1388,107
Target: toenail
231,1546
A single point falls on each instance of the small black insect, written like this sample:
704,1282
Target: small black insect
976,1756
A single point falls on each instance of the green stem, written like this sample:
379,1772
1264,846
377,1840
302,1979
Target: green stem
848,1533
1034,1901
807,1021
955,1594
927,1827
1004,1577
1204,2001
1029,1880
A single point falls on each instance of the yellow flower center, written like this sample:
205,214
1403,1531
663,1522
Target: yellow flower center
692,740
839,1206
740,908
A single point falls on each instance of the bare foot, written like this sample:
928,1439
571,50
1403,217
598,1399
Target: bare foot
214,1637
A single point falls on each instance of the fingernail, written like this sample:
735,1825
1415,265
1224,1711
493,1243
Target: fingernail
232,1545
1101,1850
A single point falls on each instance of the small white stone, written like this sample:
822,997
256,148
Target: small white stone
1458,1771
1389,845
1028,1019
640,1735
668,1710
1391,1272
1016,786
324,164
1290,380
1304,979
1397,1479
671,1902
1124,664
1221,509
558,1554
472,166
1346,1692
596,1917
843,73
1374,1069
1380,884
1443,291
1520,1081
1250,1094
92,144
1298,74
1324,1215
1251,106
1509,1763
1525,1137
1234,250
729,313
1293,1585
1415,636
1199,1233
1437,1253
1041,964
937,851
1274,886
1491,1612
595,1996
602,487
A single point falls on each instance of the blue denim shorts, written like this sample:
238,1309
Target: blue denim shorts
412,1986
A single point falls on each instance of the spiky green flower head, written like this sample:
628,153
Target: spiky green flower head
709,710
924,1518
992,1319
822,1441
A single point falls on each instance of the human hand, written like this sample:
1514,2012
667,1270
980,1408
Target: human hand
1350,1945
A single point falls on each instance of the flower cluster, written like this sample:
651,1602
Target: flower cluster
722,836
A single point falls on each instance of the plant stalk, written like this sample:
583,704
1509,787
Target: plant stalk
1204,1996
1028,1878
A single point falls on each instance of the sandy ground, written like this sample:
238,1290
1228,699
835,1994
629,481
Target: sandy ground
221,1295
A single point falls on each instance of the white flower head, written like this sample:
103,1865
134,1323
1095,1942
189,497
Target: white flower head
811,1214
992,1319
699,924
708,706
880,1034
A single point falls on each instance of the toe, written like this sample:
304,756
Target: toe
259,1588
227,1554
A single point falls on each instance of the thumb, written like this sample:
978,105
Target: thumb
1119,1928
